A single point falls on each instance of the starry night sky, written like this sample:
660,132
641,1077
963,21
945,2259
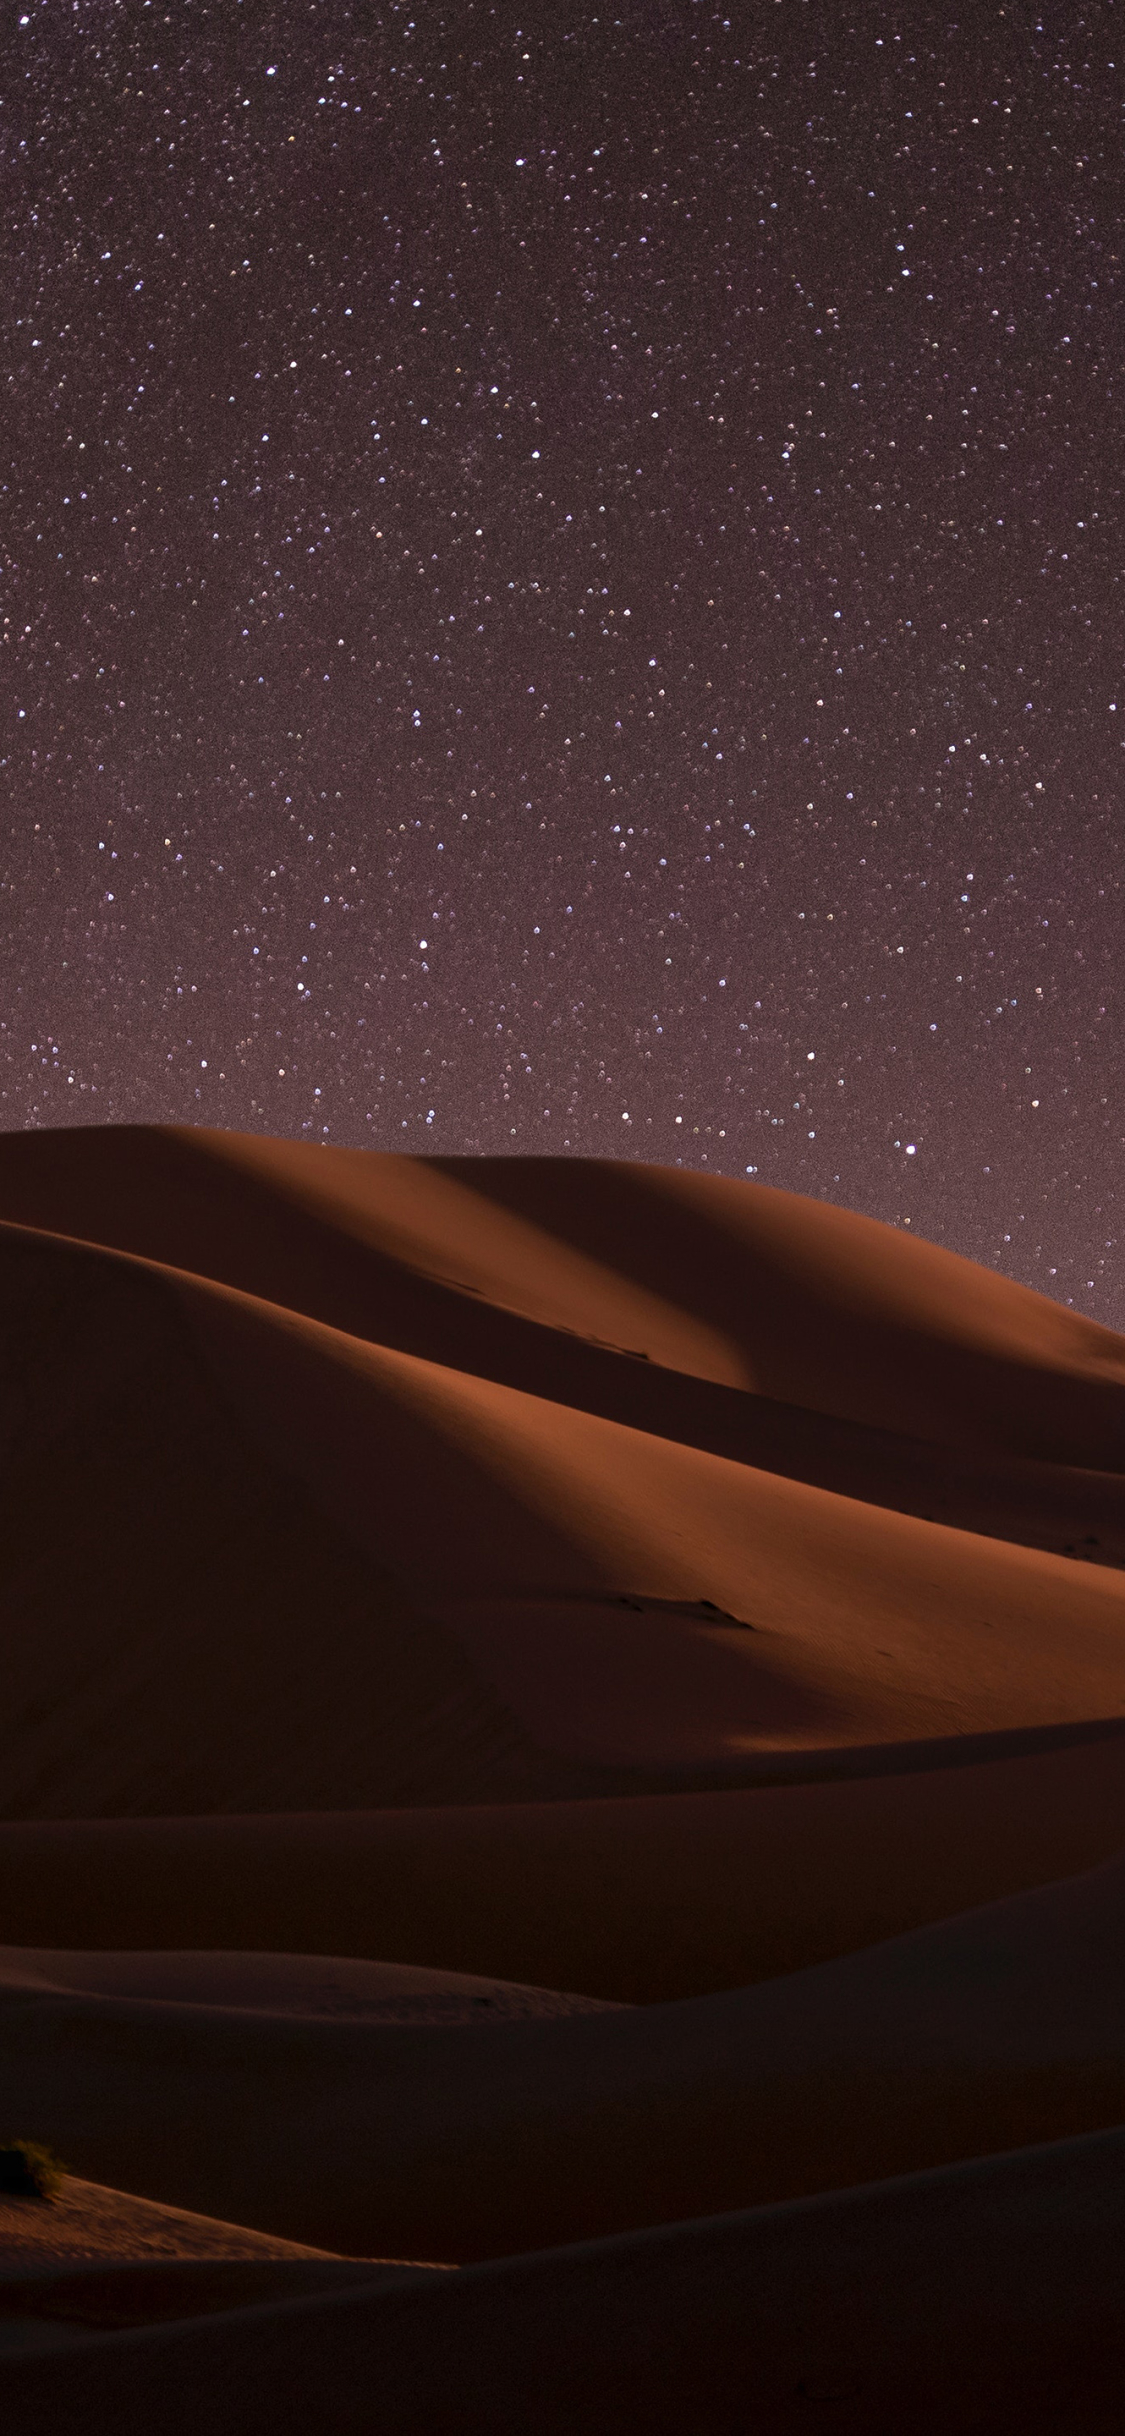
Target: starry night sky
562,588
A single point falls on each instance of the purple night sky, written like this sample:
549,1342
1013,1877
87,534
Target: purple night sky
562,587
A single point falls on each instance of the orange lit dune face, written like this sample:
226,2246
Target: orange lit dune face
545,1702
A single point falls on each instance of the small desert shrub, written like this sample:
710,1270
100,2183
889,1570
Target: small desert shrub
29,2171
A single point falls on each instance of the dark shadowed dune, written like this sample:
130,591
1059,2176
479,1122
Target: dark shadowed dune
469,2136
545,1703
974,2297
639,1901
731,1284
423,1586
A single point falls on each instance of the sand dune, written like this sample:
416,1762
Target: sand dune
741,1285
466,2141
546,1702
512,1598
88,2224
292,1987
978,2296
417,1255
640,1901
843,2309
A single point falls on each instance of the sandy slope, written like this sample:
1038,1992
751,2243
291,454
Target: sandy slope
433,1260
981,2296
642,1900
295,1987
736,1283
427,1586
96,2262
510,1596
998,2028
88,2222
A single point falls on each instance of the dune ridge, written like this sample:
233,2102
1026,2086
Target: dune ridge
592,1697
552,1637
471,2138
742,1285
846,2305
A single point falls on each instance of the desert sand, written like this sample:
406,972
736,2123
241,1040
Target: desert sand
564,1719
88,2225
